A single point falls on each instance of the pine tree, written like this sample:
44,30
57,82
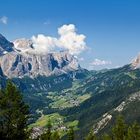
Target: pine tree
133,132
91,136
129,134
14,114
55,136
120,129
71,134
106,137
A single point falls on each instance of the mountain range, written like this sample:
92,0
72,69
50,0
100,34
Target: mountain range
56,87
25,61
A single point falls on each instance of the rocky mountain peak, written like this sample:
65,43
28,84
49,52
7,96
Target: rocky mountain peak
5,45
19,61
23,44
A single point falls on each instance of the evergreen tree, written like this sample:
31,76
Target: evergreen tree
71,134
106,137
14,114
119,132
91,136
55,136
129,134
133,132
120,129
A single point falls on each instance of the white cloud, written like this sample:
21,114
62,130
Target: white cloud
98,62
43,44
4,20
68,40
66,29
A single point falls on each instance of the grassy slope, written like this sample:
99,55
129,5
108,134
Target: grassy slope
57,121
97,93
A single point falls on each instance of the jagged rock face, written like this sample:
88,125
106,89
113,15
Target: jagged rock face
23,44
136,62
5,45
20,61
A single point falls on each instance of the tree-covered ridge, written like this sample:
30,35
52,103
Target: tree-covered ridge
107,89
120,131
14,118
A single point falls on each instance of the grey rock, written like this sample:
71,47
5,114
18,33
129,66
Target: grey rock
20,61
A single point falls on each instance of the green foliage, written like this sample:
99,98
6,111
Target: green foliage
90,94
123,132
120,129
91,136
14,114
133,132
48,133
55,136
106,137
107,89
70,135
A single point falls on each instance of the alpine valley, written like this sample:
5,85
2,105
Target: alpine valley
57,88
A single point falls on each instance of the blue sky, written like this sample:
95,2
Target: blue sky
111,27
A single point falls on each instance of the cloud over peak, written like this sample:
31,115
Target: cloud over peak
43,44
68,40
